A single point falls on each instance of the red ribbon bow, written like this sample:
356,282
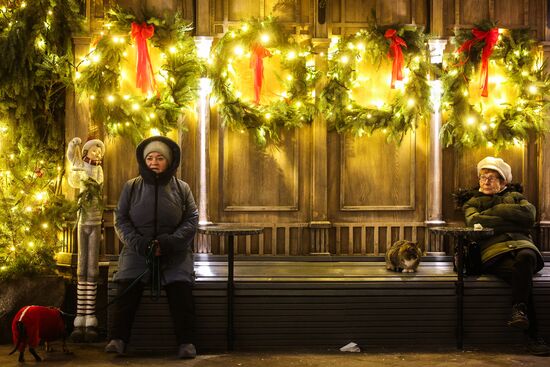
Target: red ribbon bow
490,37
145,79
397,54
257,63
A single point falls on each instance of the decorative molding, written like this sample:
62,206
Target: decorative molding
412,182
294,205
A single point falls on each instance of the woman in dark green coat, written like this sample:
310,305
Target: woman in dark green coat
510,254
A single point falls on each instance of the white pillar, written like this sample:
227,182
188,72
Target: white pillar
204,45
435,161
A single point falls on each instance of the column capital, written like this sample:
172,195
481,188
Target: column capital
204,45
437,47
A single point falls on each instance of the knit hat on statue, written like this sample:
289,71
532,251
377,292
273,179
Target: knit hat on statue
496,164
93,143
159,147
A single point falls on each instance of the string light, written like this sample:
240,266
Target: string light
239,51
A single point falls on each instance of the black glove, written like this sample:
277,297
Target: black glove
143,245
166,243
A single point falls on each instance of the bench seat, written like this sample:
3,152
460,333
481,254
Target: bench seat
326,302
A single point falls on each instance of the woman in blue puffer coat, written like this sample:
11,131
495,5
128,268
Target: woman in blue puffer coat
157,217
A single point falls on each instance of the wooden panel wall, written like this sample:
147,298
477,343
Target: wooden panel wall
373,189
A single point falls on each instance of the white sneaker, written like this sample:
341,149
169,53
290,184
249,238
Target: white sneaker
115,346
187,351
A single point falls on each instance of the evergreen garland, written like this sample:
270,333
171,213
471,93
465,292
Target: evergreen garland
131,115
295,106
35,74
399,115
467,125
34,211
35,44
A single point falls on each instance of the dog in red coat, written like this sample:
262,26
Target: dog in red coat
33,324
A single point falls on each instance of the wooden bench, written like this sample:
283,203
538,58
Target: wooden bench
326,302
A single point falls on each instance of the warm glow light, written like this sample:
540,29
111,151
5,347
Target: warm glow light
154,132
31,244
173,50
135,107
152,115
410,102
244,27
238,50
470,120
378,103
45,225
267,116
264,38
483,127
361,46
489,144
344,59
291,55
533,89
111,98
95,58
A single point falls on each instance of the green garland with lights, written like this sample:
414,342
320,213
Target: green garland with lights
99,77
34,213
399,115
466,125
35,74
295,106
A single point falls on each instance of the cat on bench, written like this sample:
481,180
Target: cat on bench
403,256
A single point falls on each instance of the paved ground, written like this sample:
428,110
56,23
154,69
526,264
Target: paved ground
93,356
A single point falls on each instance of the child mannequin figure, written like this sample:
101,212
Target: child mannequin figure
86,175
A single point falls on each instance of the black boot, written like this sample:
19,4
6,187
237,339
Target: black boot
537,346
519,317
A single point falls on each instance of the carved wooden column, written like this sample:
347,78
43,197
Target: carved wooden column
202,18
544,178
204,44
437,24
319,225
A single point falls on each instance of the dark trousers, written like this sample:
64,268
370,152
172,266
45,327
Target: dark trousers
516,268
180,301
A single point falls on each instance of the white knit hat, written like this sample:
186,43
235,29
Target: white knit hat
159,147
93,143
496,164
